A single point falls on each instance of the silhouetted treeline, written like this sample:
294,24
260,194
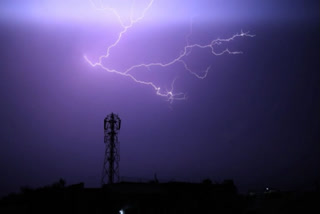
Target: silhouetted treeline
155,198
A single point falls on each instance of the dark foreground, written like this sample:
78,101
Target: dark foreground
156,198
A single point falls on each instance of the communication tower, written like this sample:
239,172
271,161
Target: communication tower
110,171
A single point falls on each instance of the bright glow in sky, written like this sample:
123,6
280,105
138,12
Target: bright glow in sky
163,10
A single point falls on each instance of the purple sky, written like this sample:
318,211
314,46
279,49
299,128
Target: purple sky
254,119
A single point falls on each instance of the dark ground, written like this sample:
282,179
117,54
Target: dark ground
158,198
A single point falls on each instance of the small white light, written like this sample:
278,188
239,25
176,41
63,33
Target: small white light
121,211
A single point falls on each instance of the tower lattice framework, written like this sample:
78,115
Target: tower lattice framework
110,171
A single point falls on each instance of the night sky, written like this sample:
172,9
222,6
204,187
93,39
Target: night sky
254,119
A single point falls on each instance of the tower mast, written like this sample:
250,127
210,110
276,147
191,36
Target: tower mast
110,171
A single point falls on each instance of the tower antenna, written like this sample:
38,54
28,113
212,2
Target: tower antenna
110,171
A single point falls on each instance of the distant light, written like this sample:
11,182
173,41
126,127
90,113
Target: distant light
121,211
267,189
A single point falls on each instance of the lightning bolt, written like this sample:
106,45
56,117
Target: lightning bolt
170,95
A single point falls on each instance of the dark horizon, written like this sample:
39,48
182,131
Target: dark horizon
253,119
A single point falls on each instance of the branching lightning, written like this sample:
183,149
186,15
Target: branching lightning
170,95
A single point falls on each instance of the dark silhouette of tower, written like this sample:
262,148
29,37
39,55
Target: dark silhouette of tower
110,171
